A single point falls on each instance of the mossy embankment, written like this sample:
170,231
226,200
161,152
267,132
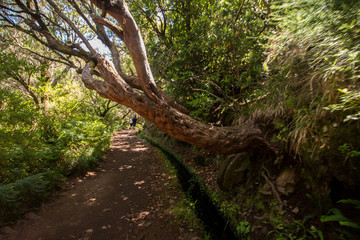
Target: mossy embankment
249,204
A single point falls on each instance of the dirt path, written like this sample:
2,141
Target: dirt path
127,197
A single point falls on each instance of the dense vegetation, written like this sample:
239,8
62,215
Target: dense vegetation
290,67
50,127
295,72
213,52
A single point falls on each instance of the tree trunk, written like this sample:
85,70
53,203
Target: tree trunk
140,92
224,140
154,105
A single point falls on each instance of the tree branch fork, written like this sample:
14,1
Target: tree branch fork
140,92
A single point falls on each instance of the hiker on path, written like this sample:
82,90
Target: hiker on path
134,119
131,122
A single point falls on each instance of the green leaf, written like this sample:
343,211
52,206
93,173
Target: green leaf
337,216
356,203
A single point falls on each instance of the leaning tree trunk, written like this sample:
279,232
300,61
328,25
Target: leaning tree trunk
143,96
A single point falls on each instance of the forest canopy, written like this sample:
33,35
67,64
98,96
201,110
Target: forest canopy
70,38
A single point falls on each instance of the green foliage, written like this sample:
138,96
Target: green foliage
335,215
184,214
348,229
347,150
12,66
32,142
297,230
311,54
322,37
62,138
82,143
312,72
26,193
243,229
208,55
36,149
21,147
355,203
349,102
59,134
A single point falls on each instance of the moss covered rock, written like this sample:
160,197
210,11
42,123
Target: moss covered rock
233,171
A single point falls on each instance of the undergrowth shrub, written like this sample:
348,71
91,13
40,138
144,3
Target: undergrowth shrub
38,146
82,144
23,194
33,141
312,52
349,103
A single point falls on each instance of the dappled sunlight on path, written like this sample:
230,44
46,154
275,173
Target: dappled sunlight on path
126,146
126,197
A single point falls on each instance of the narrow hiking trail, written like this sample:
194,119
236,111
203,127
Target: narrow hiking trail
127,197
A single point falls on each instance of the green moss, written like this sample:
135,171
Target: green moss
259,205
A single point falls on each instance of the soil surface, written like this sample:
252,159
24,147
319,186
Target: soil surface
129,196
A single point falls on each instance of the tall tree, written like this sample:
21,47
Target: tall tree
208,54
67,27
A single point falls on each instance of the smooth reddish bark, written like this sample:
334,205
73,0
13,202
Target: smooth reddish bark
154,105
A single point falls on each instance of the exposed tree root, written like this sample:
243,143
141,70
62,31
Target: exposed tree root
274,190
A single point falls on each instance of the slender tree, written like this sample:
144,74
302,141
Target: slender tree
66,27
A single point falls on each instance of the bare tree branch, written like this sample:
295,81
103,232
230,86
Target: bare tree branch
110,25
113,49
140,93
101,34
237,14
72,25
78,10
134,43
42,29
207,92
66,62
